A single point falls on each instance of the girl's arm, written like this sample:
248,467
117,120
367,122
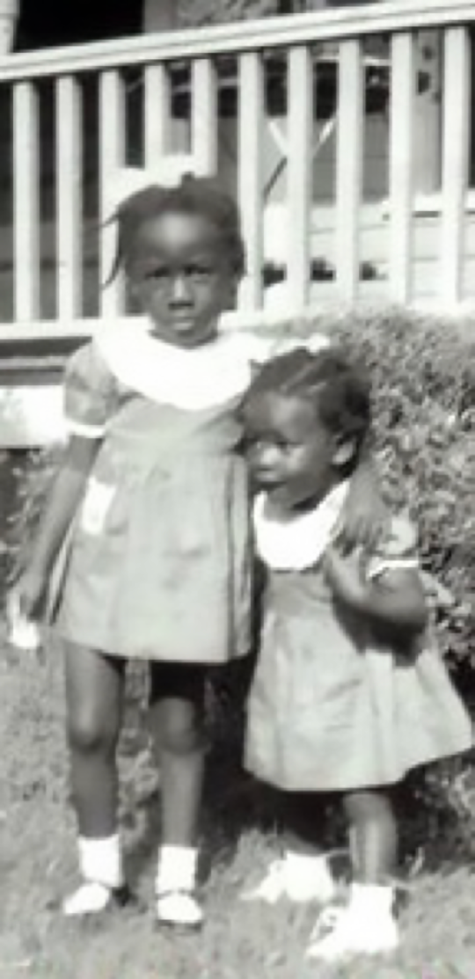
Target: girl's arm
365,517
397,599
64,499
393,598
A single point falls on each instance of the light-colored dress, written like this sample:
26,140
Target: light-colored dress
331,708
157,564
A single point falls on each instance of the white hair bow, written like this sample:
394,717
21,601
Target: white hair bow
167,173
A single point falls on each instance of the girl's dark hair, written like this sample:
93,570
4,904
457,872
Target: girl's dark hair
194,195
339,392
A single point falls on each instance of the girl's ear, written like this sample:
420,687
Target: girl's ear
344,452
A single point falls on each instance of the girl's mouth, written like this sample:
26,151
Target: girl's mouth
268,481
183,321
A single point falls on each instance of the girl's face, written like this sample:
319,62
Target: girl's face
292,456
181,277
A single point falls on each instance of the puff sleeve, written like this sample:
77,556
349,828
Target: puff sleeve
398,552
89,393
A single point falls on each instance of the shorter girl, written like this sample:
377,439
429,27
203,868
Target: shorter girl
346,698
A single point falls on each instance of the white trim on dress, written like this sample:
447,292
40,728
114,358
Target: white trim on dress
83,430
296,543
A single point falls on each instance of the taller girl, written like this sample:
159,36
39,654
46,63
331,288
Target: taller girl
150,515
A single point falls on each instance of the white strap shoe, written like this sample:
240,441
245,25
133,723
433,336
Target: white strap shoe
179,909
298,879
94,898
341,934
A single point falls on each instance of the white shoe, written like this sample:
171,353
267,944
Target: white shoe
179,909
341,933
297,878
94,898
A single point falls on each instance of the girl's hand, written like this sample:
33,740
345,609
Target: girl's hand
28,594
23,605
345,575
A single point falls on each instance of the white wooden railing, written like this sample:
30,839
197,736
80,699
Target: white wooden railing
299,43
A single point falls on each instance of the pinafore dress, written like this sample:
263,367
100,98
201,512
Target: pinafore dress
330,708
157,564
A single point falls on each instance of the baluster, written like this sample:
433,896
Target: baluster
204,116
69,197
349,168
251,122
111,157
300,128
456,141
26,200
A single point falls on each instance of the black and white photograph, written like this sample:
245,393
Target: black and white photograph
237,489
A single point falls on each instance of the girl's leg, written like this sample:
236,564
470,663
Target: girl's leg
94,699
177,704
368,924
374,835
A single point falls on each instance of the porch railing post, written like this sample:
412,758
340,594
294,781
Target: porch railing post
456,136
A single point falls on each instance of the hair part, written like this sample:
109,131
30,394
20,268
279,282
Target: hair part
194,196
339,392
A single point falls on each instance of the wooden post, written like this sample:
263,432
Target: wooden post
250,123
159,15
349,168
456,142
401,165
9,12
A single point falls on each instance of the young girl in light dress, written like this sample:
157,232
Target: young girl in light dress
348,693
144,550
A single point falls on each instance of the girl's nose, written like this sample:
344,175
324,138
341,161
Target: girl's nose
180,292
265,456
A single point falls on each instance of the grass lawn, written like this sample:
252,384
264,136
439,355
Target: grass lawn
37,864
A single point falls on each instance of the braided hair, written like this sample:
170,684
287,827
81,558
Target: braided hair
338,391
194,196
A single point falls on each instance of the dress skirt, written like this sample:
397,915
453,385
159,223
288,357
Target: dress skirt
158,562
330,709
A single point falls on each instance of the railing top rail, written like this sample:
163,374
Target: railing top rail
234,38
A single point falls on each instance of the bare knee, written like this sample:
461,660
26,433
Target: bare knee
178,727
94,696
89,733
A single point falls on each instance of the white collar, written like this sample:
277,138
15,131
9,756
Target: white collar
192,380
294,543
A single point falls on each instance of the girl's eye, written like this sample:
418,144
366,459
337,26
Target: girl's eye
262,445
199,271
159,274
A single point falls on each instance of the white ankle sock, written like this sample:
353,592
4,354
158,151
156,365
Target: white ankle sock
100,861
306,864
372,900
176,869
308,876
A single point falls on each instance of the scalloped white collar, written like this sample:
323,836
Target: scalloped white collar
193,380
293,543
